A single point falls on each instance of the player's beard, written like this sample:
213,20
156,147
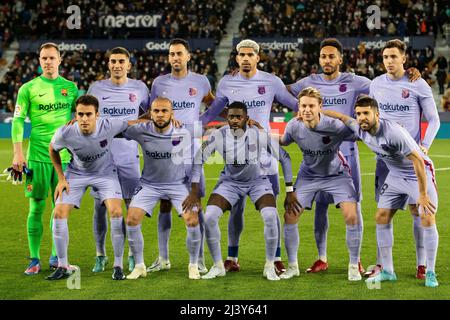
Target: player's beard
329,73
164,125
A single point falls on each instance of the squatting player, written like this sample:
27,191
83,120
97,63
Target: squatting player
167,152
48,101
187,90
89,141
339,91
257,89
404,102
323,169
410,180
119,98
242,148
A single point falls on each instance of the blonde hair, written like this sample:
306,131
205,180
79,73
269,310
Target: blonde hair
310,92
247,43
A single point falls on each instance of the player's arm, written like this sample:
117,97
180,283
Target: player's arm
56,161
432,116
216,108
286,138
209,98
424,201
18,123
291,203
413,74
337,115
283,96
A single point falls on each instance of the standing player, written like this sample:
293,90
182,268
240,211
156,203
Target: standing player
323,169
48,101
187,90
404,102
242,148
119,98
167,151
410,180
89,141
339,91
257,89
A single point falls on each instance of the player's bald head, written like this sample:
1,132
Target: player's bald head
162,101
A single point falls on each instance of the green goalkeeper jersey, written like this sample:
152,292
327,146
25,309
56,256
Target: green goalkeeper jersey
49,104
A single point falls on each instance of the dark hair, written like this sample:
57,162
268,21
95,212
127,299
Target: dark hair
180,41
119,50
48,45
88,100
366,101
238,105
395,43
332,42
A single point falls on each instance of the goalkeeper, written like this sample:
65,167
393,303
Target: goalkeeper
48,100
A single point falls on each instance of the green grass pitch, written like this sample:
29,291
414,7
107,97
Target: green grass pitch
247,284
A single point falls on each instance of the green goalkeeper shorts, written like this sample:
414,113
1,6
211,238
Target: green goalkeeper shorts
43,179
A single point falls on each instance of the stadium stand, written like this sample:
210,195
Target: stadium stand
310,18
159,19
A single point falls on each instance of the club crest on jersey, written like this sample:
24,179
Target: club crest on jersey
405,93
261,89
29,187
326,140
64,92
192,92
103,143
176,141
343,87
132,97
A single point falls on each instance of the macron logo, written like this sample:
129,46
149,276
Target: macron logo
115,112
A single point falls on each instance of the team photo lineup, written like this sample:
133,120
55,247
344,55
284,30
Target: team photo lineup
138,148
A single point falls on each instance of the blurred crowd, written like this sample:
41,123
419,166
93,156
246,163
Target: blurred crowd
328,18
89,66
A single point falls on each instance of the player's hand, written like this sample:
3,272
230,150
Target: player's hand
60,187
234,72
71,122
291,204
425,206
176,123
14,175
255,123
191,203
424,150
18,162
413,74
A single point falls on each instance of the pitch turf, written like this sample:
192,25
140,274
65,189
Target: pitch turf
247,284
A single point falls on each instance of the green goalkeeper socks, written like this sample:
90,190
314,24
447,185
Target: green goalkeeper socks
34,226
